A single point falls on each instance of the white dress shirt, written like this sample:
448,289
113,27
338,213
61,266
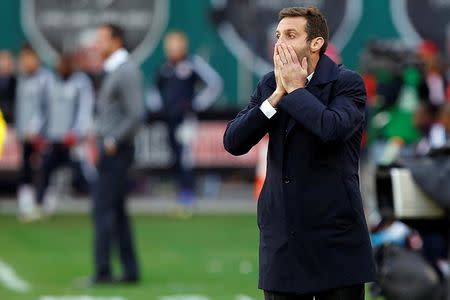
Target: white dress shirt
115,60
267,108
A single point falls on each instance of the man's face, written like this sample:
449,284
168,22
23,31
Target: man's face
291,31
28,62
175,47
104,43
64,67
422,119
6,63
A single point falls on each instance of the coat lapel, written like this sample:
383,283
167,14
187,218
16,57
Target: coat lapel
325,72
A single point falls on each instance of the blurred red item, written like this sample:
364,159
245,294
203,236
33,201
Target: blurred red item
261,167
70,139
370,83
428,48
364,139
39,143
333,53
448,93
91,150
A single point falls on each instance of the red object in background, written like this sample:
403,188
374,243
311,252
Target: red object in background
39,143
12,152
333,53
427,49
447,93
209,151
364,139
91,150
370,83
261,167
70,139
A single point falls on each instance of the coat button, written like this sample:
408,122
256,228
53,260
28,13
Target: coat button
292,233
287,180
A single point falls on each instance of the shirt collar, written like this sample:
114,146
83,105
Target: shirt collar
115,60
309,77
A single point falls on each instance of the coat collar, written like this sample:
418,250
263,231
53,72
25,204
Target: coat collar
326,71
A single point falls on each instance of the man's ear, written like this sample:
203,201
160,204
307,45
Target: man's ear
316,44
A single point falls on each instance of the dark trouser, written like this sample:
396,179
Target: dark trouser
55,156
355,292
112,227
26,171
184,174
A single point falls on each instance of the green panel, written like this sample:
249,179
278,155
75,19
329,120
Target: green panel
11,34
193,18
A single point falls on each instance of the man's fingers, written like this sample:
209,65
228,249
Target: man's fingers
279,62
275,54
282,55
287,54
293,54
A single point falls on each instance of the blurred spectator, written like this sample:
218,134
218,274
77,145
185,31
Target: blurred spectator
176,81
444,118
120,106
32,96
426,121
434,73
7,86
68,118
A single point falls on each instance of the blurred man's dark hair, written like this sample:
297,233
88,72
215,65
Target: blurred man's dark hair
316,24
425,116
65,65
26,47
117,32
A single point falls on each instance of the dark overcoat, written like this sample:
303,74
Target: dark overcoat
313,233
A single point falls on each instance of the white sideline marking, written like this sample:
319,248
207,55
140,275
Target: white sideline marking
11,280
83,297
184,297
243,297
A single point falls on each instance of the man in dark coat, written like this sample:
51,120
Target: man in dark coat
314,240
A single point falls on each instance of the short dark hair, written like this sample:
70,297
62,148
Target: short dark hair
316,24
116,31
26,47
430,109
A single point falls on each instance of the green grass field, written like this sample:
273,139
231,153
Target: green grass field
210,256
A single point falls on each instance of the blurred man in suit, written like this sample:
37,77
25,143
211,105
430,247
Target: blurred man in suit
314,241
119,108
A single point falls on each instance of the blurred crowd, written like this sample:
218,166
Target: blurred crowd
408,95
51,111
408,129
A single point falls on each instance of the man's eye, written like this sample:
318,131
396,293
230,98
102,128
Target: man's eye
291,36
277,36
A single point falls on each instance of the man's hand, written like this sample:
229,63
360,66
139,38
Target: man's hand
280,91
277,70
293,74
110,146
